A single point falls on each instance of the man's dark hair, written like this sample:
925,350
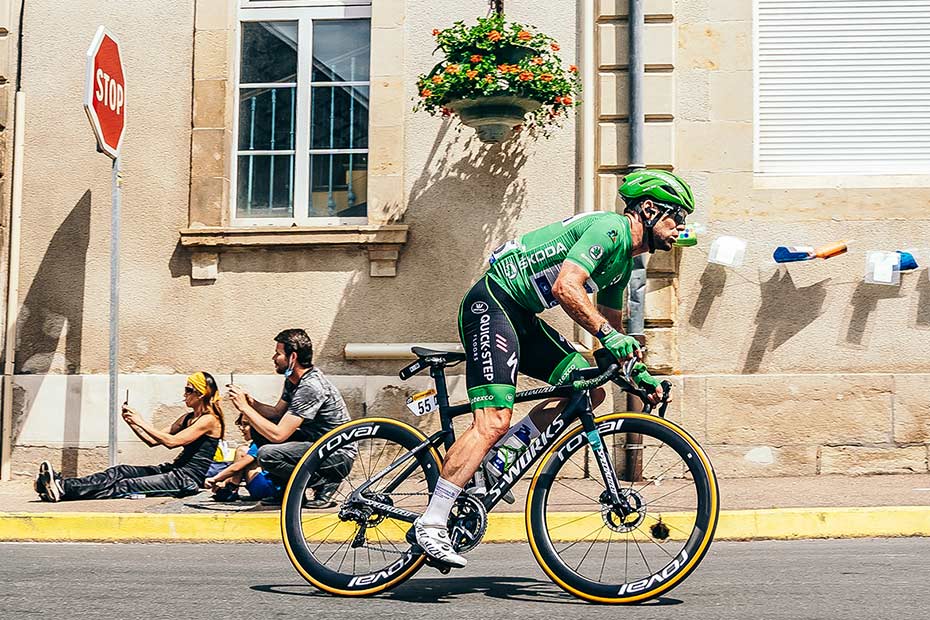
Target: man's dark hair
297,341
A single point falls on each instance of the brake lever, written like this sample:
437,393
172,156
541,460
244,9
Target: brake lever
666,393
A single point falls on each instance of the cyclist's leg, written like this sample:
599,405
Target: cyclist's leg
492,351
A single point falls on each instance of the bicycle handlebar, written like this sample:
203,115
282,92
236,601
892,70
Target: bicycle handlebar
613,373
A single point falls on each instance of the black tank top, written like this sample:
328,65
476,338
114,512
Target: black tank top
196,457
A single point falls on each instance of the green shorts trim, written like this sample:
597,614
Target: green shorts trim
572,361
491,395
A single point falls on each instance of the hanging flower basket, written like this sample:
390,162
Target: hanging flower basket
498,75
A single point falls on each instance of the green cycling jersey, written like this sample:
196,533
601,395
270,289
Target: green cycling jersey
599,242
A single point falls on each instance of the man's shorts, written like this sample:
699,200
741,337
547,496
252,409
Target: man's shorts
261,486
501,337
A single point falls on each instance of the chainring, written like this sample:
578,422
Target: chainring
468,523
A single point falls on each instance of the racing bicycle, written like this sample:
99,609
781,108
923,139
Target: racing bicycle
602,529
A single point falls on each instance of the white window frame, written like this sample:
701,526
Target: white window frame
304,12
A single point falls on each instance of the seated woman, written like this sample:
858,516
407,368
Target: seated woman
198,431
226,483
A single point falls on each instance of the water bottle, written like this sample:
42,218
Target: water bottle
511,450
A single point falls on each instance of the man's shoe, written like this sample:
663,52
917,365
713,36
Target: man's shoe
48,483
434,540
226,494
323,497
271,500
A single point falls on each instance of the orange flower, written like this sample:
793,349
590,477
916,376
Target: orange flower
555,47
567,100
526,76
537,60
471,74
489,78
546,77
494,36
573,68
504,68
475,58
513,68
426,93
523,35
435,31
437,79
452,69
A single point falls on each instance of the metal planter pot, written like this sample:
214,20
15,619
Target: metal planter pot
493,118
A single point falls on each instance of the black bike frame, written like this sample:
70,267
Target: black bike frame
578,407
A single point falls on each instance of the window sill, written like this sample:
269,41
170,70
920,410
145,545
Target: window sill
382,241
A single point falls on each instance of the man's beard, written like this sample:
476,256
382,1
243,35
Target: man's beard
280,369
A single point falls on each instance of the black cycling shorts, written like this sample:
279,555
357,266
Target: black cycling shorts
501,337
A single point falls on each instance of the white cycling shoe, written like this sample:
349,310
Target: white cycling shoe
436,543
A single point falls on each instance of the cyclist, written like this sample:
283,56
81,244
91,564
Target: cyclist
559,264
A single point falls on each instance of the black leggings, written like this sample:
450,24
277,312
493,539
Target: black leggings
123,480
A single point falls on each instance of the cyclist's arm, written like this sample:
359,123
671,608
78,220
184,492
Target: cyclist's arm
569,291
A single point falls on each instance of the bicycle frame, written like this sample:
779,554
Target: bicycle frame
578,407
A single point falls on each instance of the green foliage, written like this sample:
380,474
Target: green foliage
500,58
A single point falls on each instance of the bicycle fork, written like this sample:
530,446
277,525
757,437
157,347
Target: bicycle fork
618,500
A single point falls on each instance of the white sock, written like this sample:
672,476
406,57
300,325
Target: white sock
440,505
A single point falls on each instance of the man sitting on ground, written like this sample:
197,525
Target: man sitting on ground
309,407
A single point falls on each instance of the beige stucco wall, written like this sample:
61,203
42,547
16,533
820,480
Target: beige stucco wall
803,370
461,199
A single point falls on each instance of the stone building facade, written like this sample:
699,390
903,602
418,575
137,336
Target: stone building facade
797,370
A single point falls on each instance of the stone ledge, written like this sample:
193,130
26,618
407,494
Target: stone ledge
383,242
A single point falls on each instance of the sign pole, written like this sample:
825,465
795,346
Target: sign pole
104,103
114,312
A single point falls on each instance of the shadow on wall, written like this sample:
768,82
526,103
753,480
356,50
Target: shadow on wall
784,311
922,314
864,303
713,281
51,319
466,200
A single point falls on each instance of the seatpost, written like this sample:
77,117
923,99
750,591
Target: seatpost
442,397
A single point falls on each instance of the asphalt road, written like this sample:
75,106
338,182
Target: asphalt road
831,579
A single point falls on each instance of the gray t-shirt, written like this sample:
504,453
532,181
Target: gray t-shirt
318,402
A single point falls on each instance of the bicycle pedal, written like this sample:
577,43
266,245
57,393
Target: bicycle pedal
442,567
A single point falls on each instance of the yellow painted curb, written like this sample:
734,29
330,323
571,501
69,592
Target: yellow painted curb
780,523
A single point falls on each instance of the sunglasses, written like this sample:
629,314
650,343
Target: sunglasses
677,214
189,390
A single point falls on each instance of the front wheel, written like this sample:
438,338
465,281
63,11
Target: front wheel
607,554
367,467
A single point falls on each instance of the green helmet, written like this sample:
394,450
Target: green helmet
659,185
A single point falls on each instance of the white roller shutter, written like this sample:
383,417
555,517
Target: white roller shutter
842,86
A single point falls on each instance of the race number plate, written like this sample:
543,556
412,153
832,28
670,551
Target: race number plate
423,403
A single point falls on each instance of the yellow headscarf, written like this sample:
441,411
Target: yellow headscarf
199,382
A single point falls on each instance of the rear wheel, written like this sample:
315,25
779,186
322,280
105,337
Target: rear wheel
355,549
614,554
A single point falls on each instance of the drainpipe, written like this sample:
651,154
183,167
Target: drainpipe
12,296
588,137
637,286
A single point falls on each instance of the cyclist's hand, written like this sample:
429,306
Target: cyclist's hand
622,347
648,384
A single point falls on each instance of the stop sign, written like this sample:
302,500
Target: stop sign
105,92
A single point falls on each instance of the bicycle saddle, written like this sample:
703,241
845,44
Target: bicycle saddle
430,357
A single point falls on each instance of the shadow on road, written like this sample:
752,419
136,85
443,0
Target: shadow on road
448,589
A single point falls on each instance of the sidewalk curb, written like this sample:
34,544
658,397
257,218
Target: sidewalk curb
780,523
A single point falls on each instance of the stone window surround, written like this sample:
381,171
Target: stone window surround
212,136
